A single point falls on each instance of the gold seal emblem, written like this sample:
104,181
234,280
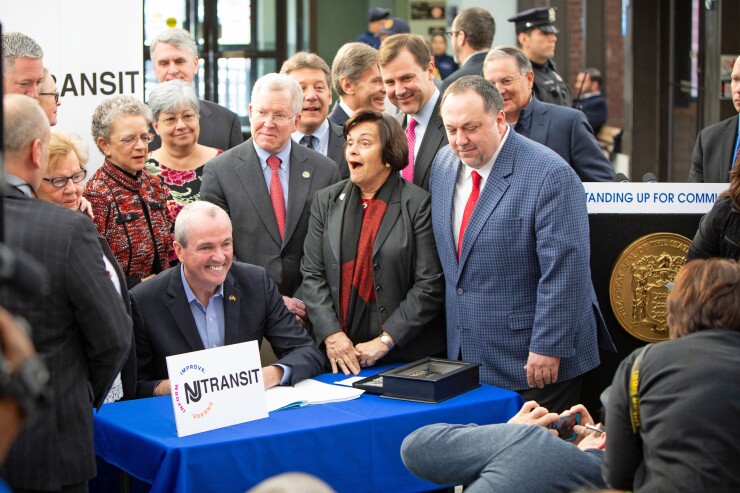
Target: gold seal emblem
637,288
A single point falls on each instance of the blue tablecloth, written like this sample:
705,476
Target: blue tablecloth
353,445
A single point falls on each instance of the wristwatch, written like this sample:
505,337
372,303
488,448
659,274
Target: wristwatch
386,339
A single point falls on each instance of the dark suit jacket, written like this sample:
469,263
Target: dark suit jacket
335,149
338,115
435,138
219,128
594,107
128,373
472,66
712,157
566,131
408,278
234,181
164,324
82,332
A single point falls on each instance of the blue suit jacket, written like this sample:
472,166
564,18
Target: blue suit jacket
567,132
523,282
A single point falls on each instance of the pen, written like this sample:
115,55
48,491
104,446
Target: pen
593,428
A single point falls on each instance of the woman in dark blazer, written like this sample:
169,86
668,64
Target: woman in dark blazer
719,230
372,282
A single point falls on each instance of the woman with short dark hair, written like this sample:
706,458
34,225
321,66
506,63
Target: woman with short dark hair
372,282
673,413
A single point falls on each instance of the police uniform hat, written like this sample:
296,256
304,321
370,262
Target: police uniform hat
542,18
395,25
378,14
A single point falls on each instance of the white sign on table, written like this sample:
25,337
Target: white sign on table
218,387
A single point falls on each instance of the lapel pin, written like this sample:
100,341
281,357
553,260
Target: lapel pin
341,196
232,298
306,174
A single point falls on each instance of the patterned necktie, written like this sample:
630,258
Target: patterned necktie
408,171
276,193
307,140
469,206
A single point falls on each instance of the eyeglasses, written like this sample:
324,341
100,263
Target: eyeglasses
55,94
61,181
172,120
452,33
132,139
277,118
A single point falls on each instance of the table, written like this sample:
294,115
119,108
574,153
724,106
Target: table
353,446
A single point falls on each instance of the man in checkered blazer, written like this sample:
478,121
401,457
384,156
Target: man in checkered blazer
511,228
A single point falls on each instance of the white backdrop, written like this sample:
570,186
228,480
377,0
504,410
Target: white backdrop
93,48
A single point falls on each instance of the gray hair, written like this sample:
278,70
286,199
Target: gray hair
190,211
492,100
351,61
17,45
521,59
279,82
24,121
110,109
170,96
306,59
177,37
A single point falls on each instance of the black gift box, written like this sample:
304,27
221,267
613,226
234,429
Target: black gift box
426,380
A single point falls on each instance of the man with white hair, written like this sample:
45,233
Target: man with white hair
23,65
175,56
266,185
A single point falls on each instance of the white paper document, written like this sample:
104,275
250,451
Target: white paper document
308,393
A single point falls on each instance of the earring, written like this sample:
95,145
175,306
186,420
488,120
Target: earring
387,165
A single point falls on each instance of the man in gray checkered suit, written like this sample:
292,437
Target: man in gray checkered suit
511,228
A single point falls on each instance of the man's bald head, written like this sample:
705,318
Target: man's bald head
25,138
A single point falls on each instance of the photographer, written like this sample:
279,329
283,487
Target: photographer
682,435
504,457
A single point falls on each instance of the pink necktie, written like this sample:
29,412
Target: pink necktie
469,206
276,193
408,171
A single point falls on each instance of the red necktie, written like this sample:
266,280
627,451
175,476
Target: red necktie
469,206
408,171
276,193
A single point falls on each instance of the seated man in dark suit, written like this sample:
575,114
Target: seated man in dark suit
564,130
315,130
175,56
717,145
209,301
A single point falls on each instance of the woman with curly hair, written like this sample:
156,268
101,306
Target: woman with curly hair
129,203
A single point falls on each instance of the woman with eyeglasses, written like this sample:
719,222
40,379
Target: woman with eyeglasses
129,203
180,160
62,185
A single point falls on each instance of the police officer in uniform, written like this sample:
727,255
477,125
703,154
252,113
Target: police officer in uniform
537,35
